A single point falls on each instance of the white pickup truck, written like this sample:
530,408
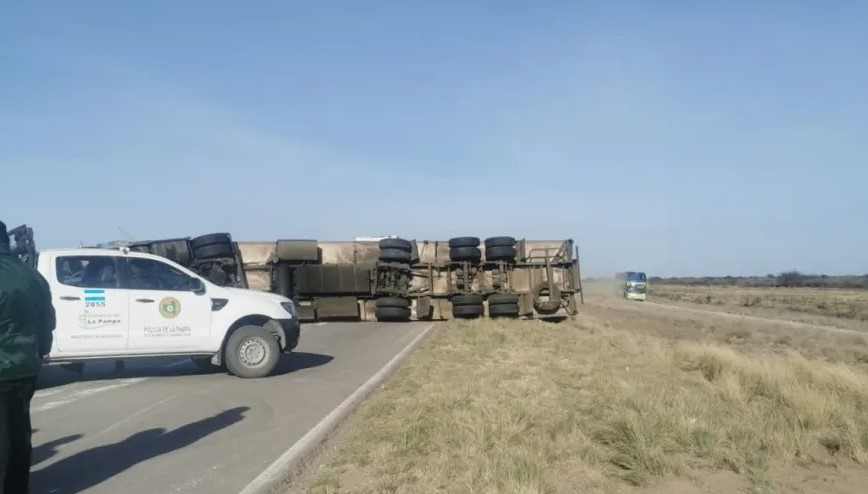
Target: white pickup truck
113,304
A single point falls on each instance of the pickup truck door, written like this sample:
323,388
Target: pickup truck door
92,309
166,315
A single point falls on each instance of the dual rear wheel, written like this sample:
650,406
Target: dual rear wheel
392,307
499,305
466,249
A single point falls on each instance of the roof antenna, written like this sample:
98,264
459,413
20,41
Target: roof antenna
127,234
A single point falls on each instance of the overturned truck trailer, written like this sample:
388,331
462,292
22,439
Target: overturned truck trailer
393,279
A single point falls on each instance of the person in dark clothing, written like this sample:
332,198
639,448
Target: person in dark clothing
27,320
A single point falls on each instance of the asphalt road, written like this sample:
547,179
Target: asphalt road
164,426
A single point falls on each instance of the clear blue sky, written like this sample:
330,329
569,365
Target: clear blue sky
679,138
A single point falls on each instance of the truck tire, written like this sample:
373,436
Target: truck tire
502,299
549,306
210,239
463,242
395,255
396,243
472,299
397,302
214,251
472,254
467,311
499,242
500,254
392,314
503,310
251,352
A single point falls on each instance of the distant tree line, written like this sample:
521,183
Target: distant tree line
785,279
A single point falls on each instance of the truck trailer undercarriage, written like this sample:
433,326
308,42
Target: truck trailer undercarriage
397,279
386,278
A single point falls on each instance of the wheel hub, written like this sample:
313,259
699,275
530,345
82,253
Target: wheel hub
252,352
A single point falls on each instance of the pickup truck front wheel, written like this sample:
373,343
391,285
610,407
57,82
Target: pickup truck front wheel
252,351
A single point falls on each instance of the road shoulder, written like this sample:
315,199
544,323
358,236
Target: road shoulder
283,470
298,478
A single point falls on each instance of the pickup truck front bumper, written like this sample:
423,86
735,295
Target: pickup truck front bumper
292,331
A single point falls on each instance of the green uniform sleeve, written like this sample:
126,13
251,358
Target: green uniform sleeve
49,318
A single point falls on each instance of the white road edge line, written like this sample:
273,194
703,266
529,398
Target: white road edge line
82,393
75,395
314,436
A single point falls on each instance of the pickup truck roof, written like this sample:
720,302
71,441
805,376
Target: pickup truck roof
123,251
90,251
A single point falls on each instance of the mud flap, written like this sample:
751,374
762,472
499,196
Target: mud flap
424,310
336,307
525,304
305,311
572,307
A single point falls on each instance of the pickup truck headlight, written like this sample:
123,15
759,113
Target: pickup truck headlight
289,307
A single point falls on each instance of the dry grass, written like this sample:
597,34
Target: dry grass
749,336
812,305
530,407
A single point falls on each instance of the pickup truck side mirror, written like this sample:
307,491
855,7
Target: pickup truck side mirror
197,286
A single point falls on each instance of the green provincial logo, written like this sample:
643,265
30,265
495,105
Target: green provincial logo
170,307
